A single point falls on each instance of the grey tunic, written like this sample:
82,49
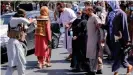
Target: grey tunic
92,42
92,33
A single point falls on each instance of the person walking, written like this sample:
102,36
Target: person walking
67,16
43,38
118,36
92,40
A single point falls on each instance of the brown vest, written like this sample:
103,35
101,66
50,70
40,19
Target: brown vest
41,26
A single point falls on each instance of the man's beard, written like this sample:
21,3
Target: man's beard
60,10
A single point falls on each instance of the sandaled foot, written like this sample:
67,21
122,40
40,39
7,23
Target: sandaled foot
68,59
116,73
44,65
48,65
129,70
39,66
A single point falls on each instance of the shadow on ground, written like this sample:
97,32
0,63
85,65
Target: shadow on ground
59,61
59,72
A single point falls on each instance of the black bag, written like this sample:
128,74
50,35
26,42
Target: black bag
128,49
55,27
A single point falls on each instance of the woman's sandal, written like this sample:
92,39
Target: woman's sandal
44,65
48,65
39,66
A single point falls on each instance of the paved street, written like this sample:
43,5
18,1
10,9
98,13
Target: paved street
59,65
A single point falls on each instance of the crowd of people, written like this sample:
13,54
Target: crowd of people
106,26
6,8
98,28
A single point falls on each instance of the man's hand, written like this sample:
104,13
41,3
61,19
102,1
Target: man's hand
128,43
31,20
67,25
75,37
102,43
118,37
49,44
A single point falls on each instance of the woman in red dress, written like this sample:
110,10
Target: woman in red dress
43,38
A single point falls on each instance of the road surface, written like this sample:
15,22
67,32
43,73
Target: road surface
59,65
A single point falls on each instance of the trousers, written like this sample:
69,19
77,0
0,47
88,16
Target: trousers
120,58
20,70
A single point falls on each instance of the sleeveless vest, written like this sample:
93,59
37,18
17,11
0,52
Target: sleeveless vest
41,26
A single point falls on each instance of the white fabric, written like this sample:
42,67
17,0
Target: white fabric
66,17
15,21
15,53
32,27
92,39
68,41
20,70
103,17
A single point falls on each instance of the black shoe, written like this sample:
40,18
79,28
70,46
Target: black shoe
99,72
75,70
90,73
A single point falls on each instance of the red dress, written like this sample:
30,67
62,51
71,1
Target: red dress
41,42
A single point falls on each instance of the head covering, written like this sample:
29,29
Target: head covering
114,4
115,7
20,13
116,10
44,11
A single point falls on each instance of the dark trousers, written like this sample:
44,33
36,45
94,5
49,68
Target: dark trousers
119,57
78,53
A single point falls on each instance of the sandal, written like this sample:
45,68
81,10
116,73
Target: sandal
130,70
68,59
39,66
48,65
44,65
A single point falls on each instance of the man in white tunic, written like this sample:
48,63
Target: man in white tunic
66,18
92,39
